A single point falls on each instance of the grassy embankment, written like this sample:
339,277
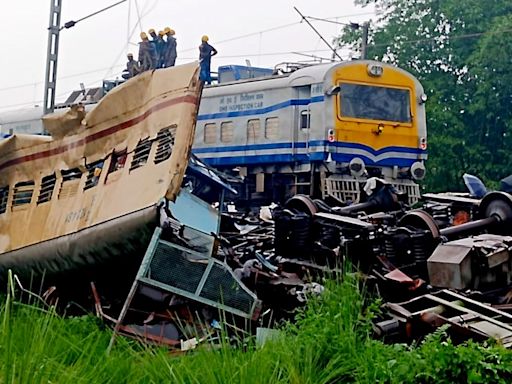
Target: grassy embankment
330,343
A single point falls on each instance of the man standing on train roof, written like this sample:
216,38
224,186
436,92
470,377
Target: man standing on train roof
206,51
161,49
155,41
171,53
132,68
147,53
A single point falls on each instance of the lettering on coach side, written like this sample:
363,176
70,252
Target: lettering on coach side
78,215
242,102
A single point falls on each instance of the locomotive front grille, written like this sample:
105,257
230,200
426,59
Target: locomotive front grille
348,188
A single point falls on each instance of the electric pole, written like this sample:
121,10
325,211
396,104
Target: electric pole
53,49
51,56
364,42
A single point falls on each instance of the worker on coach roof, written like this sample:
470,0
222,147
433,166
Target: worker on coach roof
206,51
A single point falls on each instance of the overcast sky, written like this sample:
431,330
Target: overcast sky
266,32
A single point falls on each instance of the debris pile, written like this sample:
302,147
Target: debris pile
446,262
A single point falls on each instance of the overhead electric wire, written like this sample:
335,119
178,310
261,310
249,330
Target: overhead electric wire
35,102
72,23
130,33
457,37
59,78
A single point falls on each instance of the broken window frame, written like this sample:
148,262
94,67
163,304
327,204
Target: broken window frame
141,154
165,140
69,176
23,193
93,175
117,161
4,197
47,188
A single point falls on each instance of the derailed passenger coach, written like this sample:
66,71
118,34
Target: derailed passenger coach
320,130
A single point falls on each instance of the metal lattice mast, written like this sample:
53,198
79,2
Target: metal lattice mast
52,54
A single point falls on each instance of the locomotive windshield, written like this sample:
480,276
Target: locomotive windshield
375,103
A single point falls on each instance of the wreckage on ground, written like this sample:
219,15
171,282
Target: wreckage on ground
112,198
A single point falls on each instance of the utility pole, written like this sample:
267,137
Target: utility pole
53,49
51,56
364,43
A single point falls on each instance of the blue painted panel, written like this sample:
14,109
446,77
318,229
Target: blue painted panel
313,143
194,212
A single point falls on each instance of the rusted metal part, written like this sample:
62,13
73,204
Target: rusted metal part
466,318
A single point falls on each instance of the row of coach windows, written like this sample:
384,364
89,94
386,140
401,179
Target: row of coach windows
254,130
23,192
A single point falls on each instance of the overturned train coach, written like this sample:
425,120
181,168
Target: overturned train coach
320,130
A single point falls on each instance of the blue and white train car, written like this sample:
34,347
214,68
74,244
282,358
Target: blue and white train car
322,129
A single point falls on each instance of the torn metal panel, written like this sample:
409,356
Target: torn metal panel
472,262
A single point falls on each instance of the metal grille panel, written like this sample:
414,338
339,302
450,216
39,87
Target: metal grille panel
223,288
196,275
177,268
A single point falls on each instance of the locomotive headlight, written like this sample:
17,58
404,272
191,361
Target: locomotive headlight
423,98
423,143
375,70
418,170
356,167
330,136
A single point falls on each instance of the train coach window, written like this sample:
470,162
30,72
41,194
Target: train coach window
70,181
305,119
253,129
375,103
93,174
4,195
141,154
47,187
23,192
272,128
226,131
165,142
118,161
210,133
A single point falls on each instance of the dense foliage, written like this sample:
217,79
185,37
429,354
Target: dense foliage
330,343
460,51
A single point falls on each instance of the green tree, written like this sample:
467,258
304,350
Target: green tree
451,46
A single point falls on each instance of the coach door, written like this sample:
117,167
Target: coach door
301,123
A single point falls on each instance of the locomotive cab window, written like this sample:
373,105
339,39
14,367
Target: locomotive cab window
272,128
375,103
210,133
305,119
226,132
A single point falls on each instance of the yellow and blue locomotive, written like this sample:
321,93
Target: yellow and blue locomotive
320,130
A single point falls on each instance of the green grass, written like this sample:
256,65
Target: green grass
329,343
